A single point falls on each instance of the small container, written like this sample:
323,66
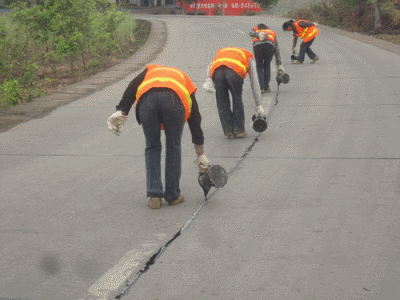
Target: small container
259,123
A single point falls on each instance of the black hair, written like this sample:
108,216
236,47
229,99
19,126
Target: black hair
287,24
262,26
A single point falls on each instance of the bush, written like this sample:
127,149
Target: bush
58,31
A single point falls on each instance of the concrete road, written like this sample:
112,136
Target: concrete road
310,211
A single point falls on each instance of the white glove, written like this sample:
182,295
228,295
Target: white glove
261,35
315,23
259,110
280,69
202,163
209,85
116,121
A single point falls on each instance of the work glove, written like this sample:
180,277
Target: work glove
259,110
261,35
209,85
202,163
281,70
116,121
315,23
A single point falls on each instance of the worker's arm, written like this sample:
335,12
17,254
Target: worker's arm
116,120
194,122
278,58
255,86
209,84
129,96
294,43
253,33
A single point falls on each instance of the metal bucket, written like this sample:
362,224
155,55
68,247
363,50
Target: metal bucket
216,176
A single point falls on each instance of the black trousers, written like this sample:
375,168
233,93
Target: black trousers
263,55
305,49
226,80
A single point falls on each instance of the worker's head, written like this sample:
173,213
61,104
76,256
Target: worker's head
288,26
262,26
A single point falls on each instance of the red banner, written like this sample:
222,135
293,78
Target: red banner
232,7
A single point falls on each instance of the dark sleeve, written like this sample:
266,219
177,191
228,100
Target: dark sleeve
305,24
278,58
129,96
253,34
194,122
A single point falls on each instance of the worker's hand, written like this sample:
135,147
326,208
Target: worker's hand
116,121
293,50
315,23
281,70
209,85
259,110
261,35
202,163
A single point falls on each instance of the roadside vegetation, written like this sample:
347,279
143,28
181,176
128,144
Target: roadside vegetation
46,46
355,15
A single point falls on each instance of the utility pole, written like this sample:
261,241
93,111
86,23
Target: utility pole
378,22
223,7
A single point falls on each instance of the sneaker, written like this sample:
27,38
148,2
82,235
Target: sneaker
240,134
230,136
154,202
315,60
297,62
177,201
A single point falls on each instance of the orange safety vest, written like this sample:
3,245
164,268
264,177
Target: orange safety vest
306,34
167,77
269,34
234,58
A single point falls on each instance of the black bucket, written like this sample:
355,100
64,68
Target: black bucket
259,123
282,78
216,176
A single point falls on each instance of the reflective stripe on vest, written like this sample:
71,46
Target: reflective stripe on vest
237,60
167,82
235,49
303,32
270,35
232,61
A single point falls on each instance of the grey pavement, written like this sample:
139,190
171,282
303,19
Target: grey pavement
310,210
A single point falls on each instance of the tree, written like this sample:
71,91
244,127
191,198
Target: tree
378,22
266,3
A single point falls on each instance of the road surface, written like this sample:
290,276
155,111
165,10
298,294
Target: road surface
310,211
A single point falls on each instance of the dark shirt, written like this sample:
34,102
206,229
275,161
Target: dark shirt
129,98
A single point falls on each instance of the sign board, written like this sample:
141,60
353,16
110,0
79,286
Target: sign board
232,7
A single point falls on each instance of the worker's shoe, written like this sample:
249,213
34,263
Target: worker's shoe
230,136
315,60
240,134
154,202
265,91
177,201
297,62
